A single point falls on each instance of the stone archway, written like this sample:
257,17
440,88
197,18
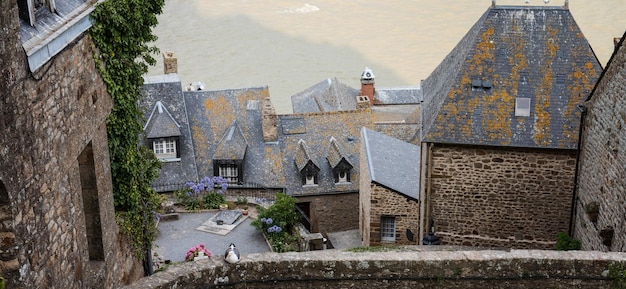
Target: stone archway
9,264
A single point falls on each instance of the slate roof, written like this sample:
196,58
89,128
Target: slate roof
337,154
328,95
233,144
398,95
303,157
161,123
534,52
167,89
317,130
392,163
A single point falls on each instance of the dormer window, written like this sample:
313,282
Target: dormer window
310,180
306,165
342,177
230,154
163,134
164,148
338,161
230,172
29,8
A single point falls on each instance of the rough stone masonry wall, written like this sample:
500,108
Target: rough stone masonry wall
402,269
601,207
515,198
47,118
333,213
386,202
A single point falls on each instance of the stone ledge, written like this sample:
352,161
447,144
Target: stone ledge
496,269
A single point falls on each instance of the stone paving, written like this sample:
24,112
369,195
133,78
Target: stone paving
177,236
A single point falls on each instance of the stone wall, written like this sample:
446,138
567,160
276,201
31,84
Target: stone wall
405,210
333,213
401,269
600,208
48,119
501,197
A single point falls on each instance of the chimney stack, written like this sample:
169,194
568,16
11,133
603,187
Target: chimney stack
367,85
170,62
268,121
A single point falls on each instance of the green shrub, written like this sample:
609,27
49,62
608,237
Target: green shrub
565,243
278,223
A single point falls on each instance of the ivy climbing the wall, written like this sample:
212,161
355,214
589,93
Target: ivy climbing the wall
122,32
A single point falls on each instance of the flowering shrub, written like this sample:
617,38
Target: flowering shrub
278,223
206,194
195,250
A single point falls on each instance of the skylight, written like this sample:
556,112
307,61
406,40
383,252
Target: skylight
522,106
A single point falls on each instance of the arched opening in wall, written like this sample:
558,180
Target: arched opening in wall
606,235
91,208
593,210
8,244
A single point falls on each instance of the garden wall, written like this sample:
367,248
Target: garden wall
401,269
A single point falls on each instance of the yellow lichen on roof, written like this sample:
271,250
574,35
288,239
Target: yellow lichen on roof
220,115
497,116
484,51
542,134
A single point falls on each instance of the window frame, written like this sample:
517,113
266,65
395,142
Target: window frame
225,170
165,148
387,228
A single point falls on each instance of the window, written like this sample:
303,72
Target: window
388,228
342,176
522,106
310,179
230,172
164,148
28,9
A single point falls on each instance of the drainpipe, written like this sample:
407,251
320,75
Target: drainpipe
583,113
428,186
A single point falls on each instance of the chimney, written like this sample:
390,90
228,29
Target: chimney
367,85
170,63
268,122
362,102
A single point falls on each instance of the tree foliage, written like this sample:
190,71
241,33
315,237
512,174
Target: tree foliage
122,32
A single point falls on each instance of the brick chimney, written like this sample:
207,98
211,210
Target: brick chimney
367,85
268,122
170,62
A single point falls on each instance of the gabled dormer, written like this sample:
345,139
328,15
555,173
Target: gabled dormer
338,160
306,165
48,26
163,134
230,154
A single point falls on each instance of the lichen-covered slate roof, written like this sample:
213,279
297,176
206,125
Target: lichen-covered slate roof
316,130
392,163
303,157
211,116
161,123
168,90
336,154
328,95
233,144
535,52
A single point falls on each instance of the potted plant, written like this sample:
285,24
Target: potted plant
223,207
244,210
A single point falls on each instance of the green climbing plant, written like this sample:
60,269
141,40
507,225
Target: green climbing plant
122,32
